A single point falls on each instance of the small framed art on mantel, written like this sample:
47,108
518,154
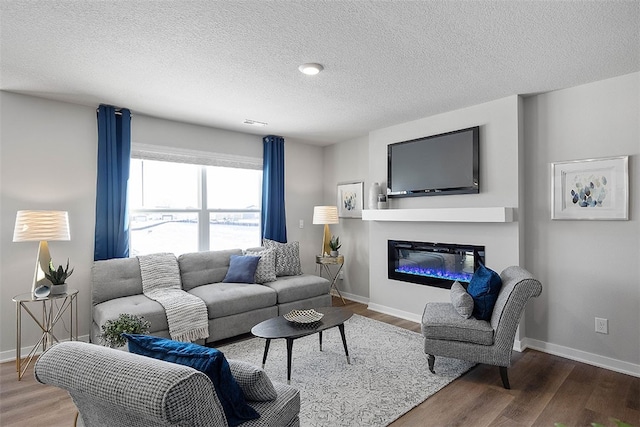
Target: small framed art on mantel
350,201
596,189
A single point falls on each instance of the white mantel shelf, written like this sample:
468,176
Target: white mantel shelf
497,214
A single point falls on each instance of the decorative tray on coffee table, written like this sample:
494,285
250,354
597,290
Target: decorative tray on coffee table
303,316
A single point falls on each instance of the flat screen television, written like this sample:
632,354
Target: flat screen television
435,165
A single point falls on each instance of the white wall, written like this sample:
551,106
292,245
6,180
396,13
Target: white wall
48,161
499,183
588,268
343,163
303,190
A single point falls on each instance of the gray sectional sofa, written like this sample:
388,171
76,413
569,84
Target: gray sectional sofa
233,308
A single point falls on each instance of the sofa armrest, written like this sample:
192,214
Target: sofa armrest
114,387
253,381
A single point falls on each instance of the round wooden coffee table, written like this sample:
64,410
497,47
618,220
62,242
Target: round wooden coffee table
279,327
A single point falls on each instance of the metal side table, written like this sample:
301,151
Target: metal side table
324,262
51,314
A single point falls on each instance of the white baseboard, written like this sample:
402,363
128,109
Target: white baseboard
396,313
10,355
585,357
353,297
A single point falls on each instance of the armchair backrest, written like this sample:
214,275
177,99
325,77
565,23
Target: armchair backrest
518,285
113,387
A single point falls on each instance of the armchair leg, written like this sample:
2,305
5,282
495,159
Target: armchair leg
505,378
431,359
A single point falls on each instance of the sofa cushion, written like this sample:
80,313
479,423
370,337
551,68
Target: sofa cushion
441,321
136,305
266,271
207,360
242,269
287,257
201,268
295,288
253,381
484,288
225,299
115,278
461,300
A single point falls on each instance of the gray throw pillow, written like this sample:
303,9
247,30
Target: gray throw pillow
253,381
461,300
287,257
266,270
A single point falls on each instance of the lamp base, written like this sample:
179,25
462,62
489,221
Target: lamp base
42,265
326,249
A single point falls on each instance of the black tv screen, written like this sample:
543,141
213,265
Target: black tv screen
434,165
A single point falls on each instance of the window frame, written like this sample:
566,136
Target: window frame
202,160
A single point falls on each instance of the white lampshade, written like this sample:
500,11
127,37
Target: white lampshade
41,225
325,215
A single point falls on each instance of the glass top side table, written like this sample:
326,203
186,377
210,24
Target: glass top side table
323,262
51,314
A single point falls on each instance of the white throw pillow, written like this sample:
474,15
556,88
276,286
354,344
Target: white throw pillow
461,300
266,270
287,257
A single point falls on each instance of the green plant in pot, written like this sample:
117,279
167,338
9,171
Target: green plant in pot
334,244
58,278
112,330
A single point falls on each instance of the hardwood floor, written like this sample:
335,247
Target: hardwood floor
545,389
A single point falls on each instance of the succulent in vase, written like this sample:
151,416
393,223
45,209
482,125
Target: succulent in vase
58,276
334,244
112,330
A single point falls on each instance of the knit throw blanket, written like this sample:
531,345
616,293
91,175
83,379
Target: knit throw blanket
186,313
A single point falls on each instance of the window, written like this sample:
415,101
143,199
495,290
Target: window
183,207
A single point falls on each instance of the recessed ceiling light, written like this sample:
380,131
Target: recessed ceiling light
254,122
310,68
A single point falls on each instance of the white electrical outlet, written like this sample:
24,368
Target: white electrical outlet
302,223
341,275
602,325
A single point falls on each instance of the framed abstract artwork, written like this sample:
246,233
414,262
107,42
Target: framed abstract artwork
595,189
350,202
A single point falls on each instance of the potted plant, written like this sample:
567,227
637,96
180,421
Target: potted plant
58,278
334,244
112,330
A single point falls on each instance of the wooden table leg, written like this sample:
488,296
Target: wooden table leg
344,342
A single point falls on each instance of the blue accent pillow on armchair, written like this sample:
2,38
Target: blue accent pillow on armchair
204,359
484,288
242,269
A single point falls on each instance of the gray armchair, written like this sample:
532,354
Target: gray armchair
115,388
448,334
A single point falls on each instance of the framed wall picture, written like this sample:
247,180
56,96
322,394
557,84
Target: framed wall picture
350,202
596,189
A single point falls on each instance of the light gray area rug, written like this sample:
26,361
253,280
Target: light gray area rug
387,377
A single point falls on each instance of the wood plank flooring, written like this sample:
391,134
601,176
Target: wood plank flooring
545,389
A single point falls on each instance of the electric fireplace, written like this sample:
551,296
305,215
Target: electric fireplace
433,264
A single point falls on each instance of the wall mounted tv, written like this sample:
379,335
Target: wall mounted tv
435,165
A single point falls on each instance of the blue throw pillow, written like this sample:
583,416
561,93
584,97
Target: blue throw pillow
204,359
484,288
242,269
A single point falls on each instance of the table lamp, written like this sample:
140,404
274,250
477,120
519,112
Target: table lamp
325,215
33,226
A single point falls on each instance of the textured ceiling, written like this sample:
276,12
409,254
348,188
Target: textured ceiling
217,63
